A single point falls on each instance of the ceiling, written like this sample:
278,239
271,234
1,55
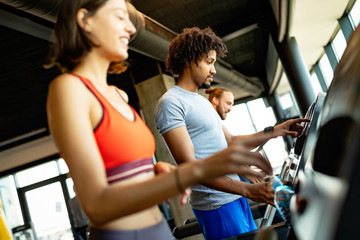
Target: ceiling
246,27
308,22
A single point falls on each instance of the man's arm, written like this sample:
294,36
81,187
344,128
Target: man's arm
290,127
182,149
229,137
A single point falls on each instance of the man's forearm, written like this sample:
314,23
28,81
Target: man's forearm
258,192
229,185
247,139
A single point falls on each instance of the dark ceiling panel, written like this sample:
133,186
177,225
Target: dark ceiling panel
23,82
246,52
201,13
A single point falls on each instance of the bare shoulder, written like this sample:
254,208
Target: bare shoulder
66,86
64,80
67,92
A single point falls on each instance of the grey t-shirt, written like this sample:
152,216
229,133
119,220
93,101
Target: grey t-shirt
179,107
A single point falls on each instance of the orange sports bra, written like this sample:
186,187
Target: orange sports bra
127,147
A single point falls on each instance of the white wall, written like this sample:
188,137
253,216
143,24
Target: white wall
26,153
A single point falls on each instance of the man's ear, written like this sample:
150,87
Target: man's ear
82,19
215,101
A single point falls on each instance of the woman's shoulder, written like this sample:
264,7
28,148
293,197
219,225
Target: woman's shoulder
67,86
64,79
66,82
69,95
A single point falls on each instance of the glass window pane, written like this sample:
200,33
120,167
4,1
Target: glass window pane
275,150
287,101
70,187
62,166
355,14
288,105
326,69
48,212
37,174
262,116
238,121
10,202
339,44
315,83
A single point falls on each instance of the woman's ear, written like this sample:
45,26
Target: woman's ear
82,19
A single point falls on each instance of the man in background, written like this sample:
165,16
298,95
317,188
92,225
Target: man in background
221,99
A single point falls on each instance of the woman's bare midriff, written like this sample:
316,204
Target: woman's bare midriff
142,219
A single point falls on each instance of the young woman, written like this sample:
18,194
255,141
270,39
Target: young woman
105,144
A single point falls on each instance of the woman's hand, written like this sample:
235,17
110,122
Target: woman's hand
164,167
238,157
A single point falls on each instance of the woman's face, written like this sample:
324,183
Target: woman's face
110,29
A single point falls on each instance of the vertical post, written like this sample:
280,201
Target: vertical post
331,56
297,73
346,27
321,78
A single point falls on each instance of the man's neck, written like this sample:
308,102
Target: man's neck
186,87
186,82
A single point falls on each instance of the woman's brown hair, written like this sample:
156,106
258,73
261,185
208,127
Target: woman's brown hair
71,41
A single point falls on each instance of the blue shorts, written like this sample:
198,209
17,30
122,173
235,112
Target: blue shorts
159,231
227,221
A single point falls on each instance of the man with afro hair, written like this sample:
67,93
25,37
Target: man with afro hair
193,130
